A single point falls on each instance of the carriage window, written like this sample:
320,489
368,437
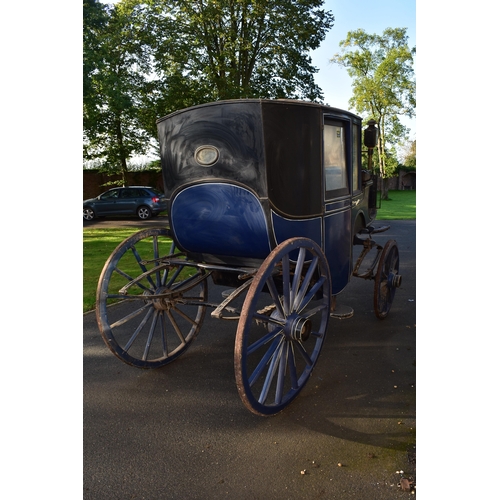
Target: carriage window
335,160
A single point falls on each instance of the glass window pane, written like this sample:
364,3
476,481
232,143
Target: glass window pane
334,157
110,194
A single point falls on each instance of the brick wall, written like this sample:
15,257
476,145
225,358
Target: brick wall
93,181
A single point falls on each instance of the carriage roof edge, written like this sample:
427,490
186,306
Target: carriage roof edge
294,102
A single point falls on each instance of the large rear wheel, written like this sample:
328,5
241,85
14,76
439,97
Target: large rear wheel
282,326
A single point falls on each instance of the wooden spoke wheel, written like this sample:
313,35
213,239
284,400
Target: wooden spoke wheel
282,326
148,309
387,279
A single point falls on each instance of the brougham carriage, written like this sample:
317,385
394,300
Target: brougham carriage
266,198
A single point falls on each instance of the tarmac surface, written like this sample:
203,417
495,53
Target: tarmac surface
181,432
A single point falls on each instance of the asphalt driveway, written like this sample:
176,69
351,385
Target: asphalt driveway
181,432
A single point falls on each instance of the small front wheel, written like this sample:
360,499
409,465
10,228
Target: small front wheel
149,308
387,279
282,326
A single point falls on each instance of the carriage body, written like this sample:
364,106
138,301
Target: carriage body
266,197
243,176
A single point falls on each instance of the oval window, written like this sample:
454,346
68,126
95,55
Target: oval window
206,155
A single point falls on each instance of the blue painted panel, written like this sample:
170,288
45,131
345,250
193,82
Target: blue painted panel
220,219
335,241
338,248
290,228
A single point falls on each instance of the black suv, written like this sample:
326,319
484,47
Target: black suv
142,201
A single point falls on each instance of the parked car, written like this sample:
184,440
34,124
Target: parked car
143,201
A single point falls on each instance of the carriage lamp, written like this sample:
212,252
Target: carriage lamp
370,141
371,134
206,155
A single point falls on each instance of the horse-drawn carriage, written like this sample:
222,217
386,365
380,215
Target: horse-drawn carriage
267,198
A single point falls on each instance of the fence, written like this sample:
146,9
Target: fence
94,181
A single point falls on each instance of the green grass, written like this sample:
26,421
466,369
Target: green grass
401,205
99,243
97,247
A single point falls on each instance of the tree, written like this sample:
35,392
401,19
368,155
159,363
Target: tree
241,48
383,84
116,64
409,155
144,59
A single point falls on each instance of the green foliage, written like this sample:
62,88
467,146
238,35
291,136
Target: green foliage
115,67
144,59
409,155
257,48
384,87
229,49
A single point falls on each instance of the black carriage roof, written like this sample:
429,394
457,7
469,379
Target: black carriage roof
271,146
293,102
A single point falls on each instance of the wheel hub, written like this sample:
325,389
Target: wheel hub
162,303
394,280
298,328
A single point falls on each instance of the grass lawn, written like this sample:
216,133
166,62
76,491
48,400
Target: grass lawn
97,247
401,205
99,243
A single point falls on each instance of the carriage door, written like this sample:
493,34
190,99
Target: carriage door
337,200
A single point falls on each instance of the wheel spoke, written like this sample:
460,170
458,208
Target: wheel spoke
285,262
297,275
156,255
264,318
184,315
130,316
271,371
293,368
129,278
297,303
263,340
275,295
142,266
150,336
263,362
138,330
304,354
311,294
176,327
280,382
163,327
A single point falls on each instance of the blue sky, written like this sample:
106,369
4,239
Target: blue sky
373,17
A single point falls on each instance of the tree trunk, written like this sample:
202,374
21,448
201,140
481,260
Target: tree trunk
384,185
384,189
123,157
